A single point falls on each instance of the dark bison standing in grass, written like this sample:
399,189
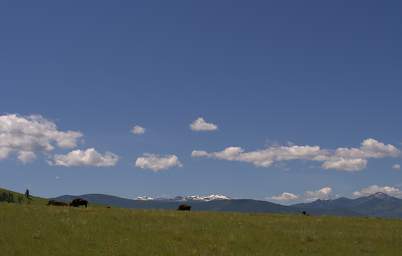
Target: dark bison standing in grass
184,207
56,203
79,202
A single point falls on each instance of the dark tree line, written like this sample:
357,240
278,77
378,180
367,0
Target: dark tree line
7,197
11,198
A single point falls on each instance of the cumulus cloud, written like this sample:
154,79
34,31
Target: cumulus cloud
89,157
26,156
201,125
392,191
26,136
396,167
198,153
323,194
138,130
370,148
285,197
265,157
345,159
375,149
345,164
157,163
355,159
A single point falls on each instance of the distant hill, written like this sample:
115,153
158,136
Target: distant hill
377,205
232,205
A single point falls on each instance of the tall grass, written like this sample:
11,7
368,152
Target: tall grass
43,230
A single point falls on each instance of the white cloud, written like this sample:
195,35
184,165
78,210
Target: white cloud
138,130
345,159
355,159
370,148
157,163
28,135
198,153
285,196
392,191
4,153
375,149
323,194
265,157
26,156
201,125
89,157
396,167
345,164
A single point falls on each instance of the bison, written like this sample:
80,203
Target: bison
79,202
184,207
56,203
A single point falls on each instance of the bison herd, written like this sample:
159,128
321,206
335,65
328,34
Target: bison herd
82,202
75,203
184,207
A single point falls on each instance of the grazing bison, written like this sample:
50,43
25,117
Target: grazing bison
56,203
79,202
184,207
305,213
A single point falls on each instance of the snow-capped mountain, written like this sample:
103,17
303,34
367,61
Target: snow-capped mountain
204,198
144,198
380,195
377,205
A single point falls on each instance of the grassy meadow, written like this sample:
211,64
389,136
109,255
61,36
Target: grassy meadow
42,230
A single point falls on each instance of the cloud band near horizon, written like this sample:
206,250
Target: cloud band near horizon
343,159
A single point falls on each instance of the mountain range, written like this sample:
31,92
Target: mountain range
376,205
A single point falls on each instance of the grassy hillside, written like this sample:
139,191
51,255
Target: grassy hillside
41,230
34,200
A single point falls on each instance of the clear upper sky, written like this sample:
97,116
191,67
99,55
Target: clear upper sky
271,75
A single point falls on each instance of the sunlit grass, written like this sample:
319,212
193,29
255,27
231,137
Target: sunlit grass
42,230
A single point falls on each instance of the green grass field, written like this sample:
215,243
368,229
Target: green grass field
41,230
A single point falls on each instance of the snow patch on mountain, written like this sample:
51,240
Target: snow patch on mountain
204,198
207,198
144,198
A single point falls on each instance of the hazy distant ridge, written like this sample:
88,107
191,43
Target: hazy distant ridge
377,205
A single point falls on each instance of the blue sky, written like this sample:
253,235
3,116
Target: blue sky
268,74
